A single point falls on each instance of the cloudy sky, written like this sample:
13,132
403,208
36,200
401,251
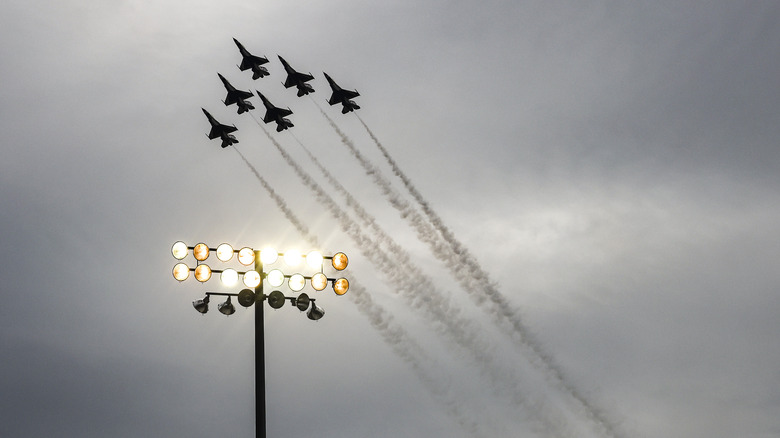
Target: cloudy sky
612,170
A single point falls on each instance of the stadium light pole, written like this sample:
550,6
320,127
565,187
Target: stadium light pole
257,298
259,353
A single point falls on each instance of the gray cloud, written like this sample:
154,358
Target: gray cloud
612,166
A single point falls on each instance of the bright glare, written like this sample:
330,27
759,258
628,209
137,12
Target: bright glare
181,271
252,279
341,286
314,259
275,278
340,261
201,252
179,250
229,277
297,282
224,252
202,273
268,255
319,281
246,256
293,257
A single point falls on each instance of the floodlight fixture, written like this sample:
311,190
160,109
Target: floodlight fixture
226,308
246,297
224,252
276,299
315,312
246,256
181,271
201,252
340,261
229,277
275,277
293,257
268,255
296,282
202,273
314,259
302,302
201,306
319,281
341,286
179,250
252,279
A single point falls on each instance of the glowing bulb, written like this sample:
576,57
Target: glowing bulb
319,281
202,273
268,255
314,259
179,250
341,286
297,282
181,271
201,252
275,278
246,256
293,257
229,277
224,252
252,279
340,261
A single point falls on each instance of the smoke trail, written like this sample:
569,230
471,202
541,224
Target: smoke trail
498,302
418,288
393,334
472,278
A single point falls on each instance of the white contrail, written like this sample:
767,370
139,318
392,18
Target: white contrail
468,273
498,302
392,333
422,295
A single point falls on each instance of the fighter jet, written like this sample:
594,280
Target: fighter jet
276,114
221,131
342,96
237,96
297,79
251,61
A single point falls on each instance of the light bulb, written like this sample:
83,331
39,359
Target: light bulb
275,278
179,250
297,282
181,271
252,279
268,255
224,252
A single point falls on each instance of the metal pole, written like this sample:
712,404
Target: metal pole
259,353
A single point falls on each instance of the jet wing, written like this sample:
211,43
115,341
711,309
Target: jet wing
342,96
235,96
275,114
217,131
347,94
248,61
294,78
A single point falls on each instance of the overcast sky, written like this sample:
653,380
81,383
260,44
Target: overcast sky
612,167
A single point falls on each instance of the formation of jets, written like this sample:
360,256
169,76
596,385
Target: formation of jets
272,113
